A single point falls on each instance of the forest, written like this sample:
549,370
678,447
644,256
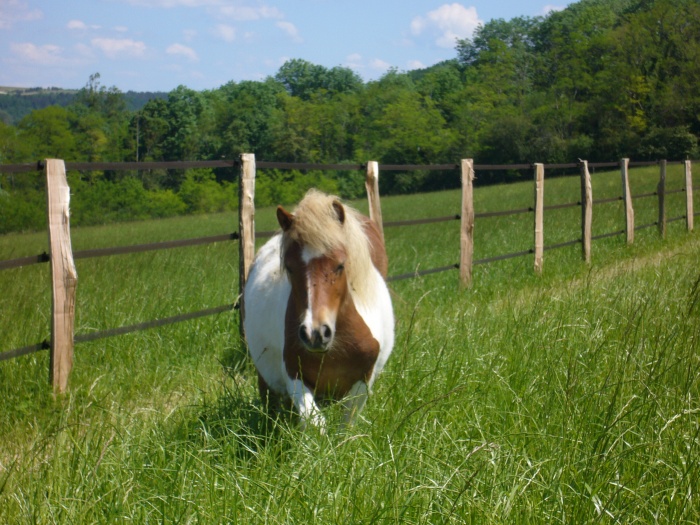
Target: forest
16,103
599,80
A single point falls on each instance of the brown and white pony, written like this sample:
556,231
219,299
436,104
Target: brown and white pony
318,315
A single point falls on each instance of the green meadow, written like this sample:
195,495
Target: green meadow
568,397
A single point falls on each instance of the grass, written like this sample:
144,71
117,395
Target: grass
566,398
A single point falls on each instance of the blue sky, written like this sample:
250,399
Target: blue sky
156,45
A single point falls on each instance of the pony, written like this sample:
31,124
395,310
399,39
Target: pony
318,320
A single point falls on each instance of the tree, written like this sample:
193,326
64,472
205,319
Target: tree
302,79
151,126
45,133
245,115
184,110
518,34
9,144
99,121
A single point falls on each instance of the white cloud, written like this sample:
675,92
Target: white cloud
114,47
290,29
121,29
45,55
79,25
243,13
358,63
84,51
76,24
378,64
416,64
549,8
354,61
179,49
447,23
276,63
189,34
225,32
221,7
175,3
12,11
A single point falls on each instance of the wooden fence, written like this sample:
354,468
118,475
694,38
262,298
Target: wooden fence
62,257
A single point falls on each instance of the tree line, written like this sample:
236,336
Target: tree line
600,80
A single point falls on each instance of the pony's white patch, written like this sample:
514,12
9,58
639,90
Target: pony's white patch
309,253
265,296
312,318
303,399
378,314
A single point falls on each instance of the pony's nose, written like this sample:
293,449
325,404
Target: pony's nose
316,339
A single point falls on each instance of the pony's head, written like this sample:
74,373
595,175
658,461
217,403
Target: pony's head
326,255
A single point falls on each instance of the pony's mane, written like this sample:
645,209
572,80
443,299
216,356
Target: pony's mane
316,225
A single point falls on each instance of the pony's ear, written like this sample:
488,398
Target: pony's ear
339,211
284,218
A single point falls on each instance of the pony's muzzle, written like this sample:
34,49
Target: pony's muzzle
316,339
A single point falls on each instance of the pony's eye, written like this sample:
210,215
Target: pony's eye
340,268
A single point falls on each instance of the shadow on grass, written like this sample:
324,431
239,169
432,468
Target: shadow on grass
235,423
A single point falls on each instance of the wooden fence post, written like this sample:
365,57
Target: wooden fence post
64,278
627,198
539,217
586,211
372,187
246,227
661,191
689,195
467,223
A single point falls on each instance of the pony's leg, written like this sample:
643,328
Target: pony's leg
355,401
270,400
303,399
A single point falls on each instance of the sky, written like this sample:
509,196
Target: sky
157,45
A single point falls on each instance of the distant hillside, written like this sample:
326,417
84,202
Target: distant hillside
15,102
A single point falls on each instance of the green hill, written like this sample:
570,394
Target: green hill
16,102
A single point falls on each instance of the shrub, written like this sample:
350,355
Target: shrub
287,187
164,203
22,211
201,193
668,143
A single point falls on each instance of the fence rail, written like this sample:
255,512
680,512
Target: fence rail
61,256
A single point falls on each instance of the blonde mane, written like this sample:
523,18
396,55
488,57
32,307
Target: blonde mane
316,225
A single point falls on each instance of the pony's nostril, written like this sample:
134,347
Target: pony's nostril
303,335
315,338
327,332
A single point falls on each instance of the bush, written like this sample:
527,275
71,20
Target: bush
288,187
22,211
668,143
100,201
164,203
97,200
201,193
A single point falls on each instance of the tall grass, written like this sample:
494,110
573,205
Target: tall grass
568,398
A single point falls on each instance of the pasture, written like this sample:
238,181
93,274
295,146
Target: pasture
570,397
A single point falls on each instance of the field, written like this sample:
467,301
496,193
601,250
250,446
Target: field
570,397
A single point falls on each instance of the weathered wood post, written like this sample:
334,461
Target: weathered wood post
467,223
246,227
689,196
372,187
661,192
586,211
64,278
627,199
539,217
